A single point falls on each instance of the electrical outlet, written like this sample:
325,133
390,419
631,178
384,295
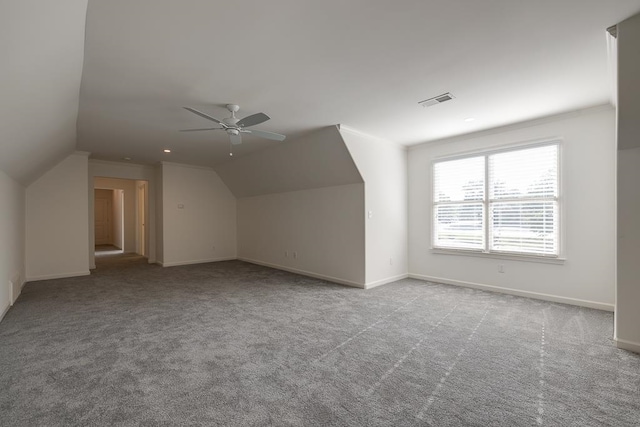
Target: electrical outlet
295,255
500,268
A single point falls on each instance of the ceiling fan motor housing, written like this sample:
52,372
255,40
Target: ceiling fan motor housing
233,120
230,121
233,131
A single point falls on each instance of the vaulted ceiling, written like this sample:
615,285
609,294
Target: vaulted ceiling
307,64
41,52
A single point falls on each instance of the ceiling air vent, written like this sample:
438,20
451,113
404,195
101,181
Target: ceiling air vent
437,100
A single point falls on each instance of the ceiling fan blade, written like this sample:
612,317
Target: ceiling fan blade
198,130
265,134
254,119
201,114
235,139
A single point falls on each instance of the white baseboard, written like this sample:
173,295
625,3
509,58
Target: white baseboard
306,273
16,288
58,276
4,312
385,281
627,345
197,261
517,292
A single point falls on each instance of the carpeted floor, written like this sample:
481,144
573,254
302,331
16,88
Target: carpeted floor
232,343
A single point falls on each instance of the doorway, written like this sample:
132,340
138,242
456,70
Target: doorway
120,216
108,221
103,212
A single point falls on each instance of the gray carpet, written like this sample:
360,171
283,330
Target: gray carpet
232,343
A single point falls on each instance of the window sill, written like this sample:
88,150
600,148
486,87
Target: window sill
513,257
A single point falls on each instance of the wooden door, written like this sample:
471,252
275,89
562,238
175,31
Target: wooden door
103,221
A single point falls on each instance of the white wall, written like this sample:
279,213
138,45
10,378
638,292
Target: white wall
324,228
127,171
57,209
628,91
588,200
129,220
158,229
383,166
304,196
142,208
12,273
198,214
628,260
118,218
628,292
42,51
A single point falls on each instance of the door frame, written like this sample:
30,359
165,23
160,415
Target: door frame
141,218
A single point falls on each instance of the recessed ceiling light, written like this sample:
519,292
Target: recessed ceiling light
469,119
126,158
166,150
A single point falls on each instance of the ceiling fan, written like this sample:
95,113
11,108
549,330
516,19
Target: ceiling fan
235,127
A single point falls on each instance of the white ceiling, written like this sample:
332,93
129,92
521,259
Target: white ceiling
41,51
310,64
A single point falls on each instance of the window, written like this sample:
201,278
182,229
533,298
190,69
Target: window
498,202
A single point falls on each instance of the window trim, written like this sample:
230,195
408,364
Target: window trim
486,253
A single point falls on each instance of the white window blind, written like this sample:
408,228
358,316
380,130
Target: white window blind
523,200
459,191
503,202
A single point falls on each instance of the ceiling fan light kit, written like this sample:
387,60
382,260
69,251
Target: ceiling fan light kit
235,127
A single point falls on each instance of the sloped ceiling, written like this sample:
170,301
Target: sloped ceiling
41,46
317,160
310,64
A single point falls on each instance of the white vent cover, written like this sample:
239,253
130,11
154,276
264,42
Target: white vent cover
437,100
